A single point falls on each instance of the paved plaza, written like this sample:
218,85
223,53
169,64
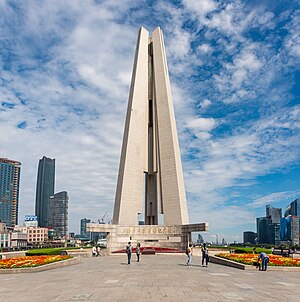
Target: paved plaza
155,278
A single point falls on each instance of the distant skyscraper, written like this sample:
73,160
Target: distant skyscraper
83,231
262,224
249,237
289,229
44,189
58,213
9,191
267,232
295,207
273,213
200,239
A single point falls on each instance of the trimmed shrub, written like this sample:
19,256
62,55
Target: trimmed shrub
49,251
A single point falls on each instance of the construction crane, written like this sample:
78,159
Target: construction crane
101,221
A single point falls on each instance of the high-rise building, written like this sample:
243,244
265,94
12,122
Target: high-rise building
268,228
44,189
274,233
9,191
289,229
58,213
200,239
267,232
250,237
295,207
262,224
83,231
273,213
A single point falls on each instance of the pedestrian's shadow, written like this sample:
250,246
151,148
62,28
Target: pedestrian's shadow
194,265
124,263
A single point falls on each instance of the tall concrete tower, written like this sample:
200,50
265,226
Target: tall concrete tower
150,166
44,189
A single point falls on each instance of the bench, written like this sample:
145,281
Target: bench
282,252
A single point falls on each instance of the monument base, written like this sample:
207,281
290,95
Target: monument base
163,236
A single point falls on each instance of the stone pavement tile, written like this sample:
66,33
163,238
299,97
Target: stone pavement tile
244,286
210,297
199,289
158,278
169,292
293,298
233,296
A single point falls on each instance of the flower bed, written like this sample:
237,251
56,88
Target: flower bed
30,261
251,259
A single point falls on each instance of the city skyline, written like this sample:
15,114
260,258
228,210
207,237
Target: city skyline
65,75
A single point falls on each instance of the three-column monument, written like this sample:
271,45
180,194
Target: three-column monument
150,179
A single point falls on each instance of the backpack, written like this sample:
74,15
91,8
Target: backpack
127,249
187,251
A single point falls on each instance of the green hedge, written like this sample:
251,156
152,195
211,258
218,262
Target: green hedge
50,251
249,250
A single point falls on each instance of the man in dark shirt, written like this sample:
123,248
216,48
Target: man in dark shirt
128,251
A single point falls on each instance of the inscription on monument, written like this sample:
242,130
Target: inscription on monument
165,230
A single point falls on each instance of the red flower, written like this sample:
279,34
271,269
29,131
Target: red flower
251,259
30,261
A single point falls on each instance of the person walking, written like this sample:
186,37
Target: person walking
205,256
138,252
264,260
98,251
189,253
94,252
129,251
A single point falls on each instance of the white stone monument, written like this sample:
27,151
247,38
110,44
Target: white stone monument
150,169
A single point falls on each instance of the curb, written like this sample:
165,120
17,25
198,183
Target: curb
230,263
46,267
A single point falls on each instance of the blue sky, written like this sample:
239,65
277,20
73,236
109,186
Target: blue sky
65,70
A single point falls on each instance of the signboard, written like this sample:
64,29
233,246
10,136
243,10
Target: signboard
30,218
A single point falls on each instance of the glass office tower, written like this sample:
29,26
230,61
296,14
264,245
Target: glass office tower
250,237
83,231
9,191
293,209
44,189
58,217
262,224
273,213
289,229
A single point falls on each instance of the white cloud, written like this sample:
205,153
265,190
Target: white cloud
274,198
205,48
248,61
202,7
180,43
202,135
204,124
205,104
